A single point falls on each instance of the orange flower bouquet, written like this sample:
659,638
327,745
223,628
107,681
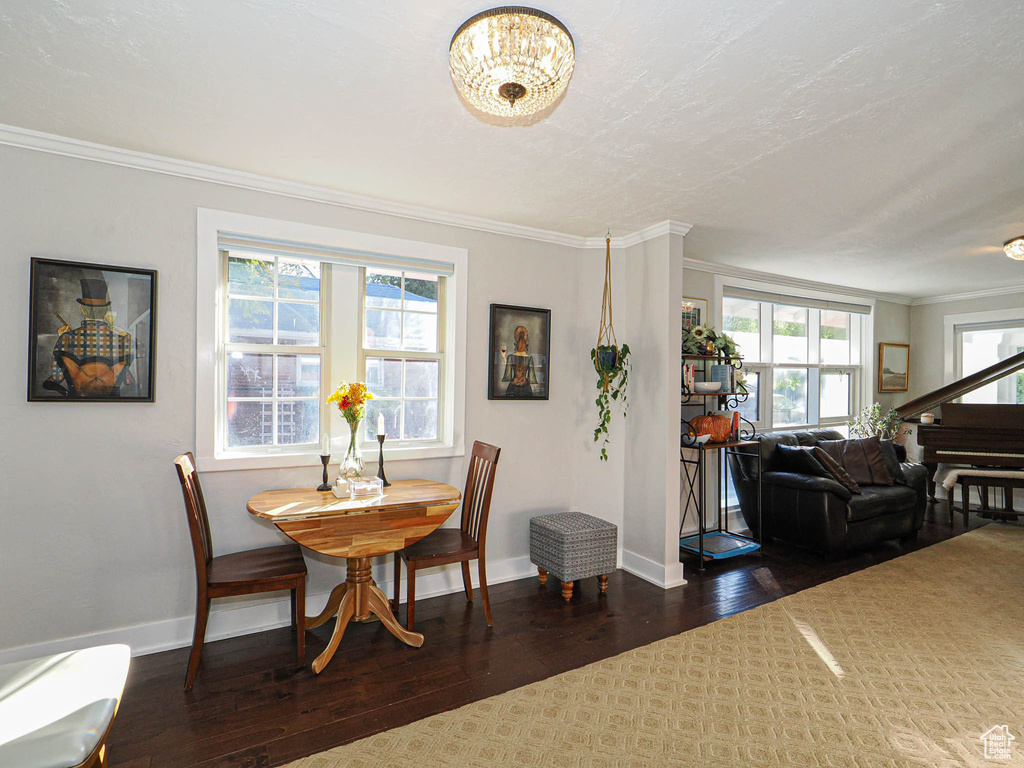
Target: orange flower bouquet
351,399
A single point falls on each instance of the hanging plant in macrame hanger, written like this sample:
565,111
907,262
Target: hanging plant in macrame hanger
610,360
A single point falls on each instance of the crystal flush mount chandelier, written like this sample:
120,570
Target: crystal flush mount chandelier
511,61
1015,248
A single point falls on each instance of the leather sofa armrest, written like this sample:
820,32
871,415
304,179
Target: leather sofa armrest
807,483
917,478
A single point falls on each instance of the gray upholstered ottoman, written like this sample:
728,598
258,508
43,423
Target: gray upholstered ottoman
571,546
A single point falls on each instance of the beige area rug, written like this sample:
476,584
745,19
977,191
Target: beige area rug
906,663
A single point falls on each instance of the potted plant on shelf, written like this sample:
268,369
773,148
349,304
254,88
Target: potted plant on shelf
611,361
705,340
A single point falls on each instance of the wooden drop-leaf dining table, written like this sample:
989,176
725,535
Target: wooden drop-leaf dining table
358,530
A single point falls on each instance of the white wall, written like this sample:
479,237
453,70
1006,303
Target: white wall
94,534
652,482
927,328
892,325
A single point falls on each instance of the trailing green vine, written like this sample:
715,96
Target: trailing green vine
612,365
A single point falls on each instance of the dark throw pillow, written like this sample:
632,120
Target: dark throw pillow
835,470
861,458
800,459
892,461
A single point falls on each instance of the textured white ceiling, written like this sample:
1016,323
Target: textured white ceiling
871,143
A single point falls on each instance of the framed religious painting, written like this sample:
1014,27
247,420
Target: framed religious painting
519,349
92,333
893,367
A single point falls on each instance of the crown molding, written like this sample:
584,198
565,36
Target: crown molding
667,227
792,282
60,145
1003,291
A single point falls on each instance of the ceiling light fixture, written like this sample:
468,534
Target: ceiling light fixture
1015,248
511,61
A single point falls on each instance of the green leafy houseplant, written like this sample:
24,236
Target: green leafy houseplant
871,421
705,340
612,365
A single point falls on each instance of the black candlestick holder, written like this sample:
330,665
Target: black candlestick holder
325,486
380,462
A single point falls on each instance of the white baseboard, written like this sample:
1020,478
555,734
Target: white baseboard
237,618
664,576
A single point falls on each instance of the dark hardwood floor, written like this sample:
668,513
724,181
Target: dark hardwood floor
251,707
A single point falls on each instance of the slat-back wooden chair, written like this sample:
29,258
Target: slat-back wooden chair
241,573
456,545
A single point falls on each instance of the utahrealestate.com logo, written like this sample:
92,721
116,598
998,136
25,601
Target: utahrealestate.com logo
997,742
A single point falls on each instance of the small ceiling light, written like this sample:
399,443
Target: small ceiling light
1015,248
688,306
511,61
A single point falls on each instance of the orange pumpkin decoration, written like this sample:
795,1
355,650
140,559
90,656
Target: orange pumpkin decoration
719,427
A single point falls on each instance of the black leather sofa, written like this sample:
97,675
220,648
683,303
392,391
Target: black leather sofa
818,512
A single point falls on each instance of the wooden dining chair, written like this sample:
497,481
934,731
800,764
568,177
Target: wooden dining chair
456,545
241,573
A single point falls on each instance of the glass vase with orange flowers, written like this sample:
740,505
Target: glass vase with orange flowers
351,399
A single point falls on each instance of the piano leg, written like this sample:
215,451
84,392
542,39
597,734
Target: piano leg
932,468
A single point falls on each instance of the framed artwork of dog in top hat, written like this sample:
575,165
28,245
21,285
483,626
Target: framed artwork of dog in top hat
92,332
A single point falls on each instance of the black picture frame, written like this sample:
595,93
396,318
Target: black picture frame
504,335
91,333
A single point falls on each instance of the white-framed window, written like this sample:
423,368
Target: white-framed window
402,353
286,310
272,352
984,339
802,363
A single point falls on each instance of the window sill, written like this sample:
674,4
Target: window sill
241,461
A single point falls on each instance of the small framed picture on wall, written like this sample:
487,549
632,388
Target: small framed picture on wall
893,367
92,332
520,345
695,312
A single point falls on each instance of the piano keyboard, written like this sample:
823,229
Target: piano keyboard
981,453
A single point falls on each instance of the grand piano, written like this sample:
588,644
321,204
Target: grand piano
988,435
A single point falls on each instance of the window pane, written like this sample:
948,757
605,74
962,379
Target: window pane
250,277
383,329
298,421
789,399
250,424
250,375
384,289
390,409
420,332
749,410
421,420
742,321
298,280
835,395
298,375
790,337
384,377
251,321
835,337
298,324
982,348
421,378
421,294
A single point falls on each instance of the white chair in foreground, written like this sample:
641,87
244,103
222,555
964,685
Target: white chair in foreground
56,712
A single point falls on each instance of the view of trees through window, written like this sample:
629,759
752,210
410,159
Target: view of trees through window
801,373
273,351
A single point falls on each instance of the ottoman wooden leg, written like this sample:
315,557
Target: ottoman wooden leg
567,590
543,575
602,583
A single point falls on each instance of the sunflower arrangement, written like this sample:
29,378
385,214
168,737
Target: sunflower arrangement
351,399
705,340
